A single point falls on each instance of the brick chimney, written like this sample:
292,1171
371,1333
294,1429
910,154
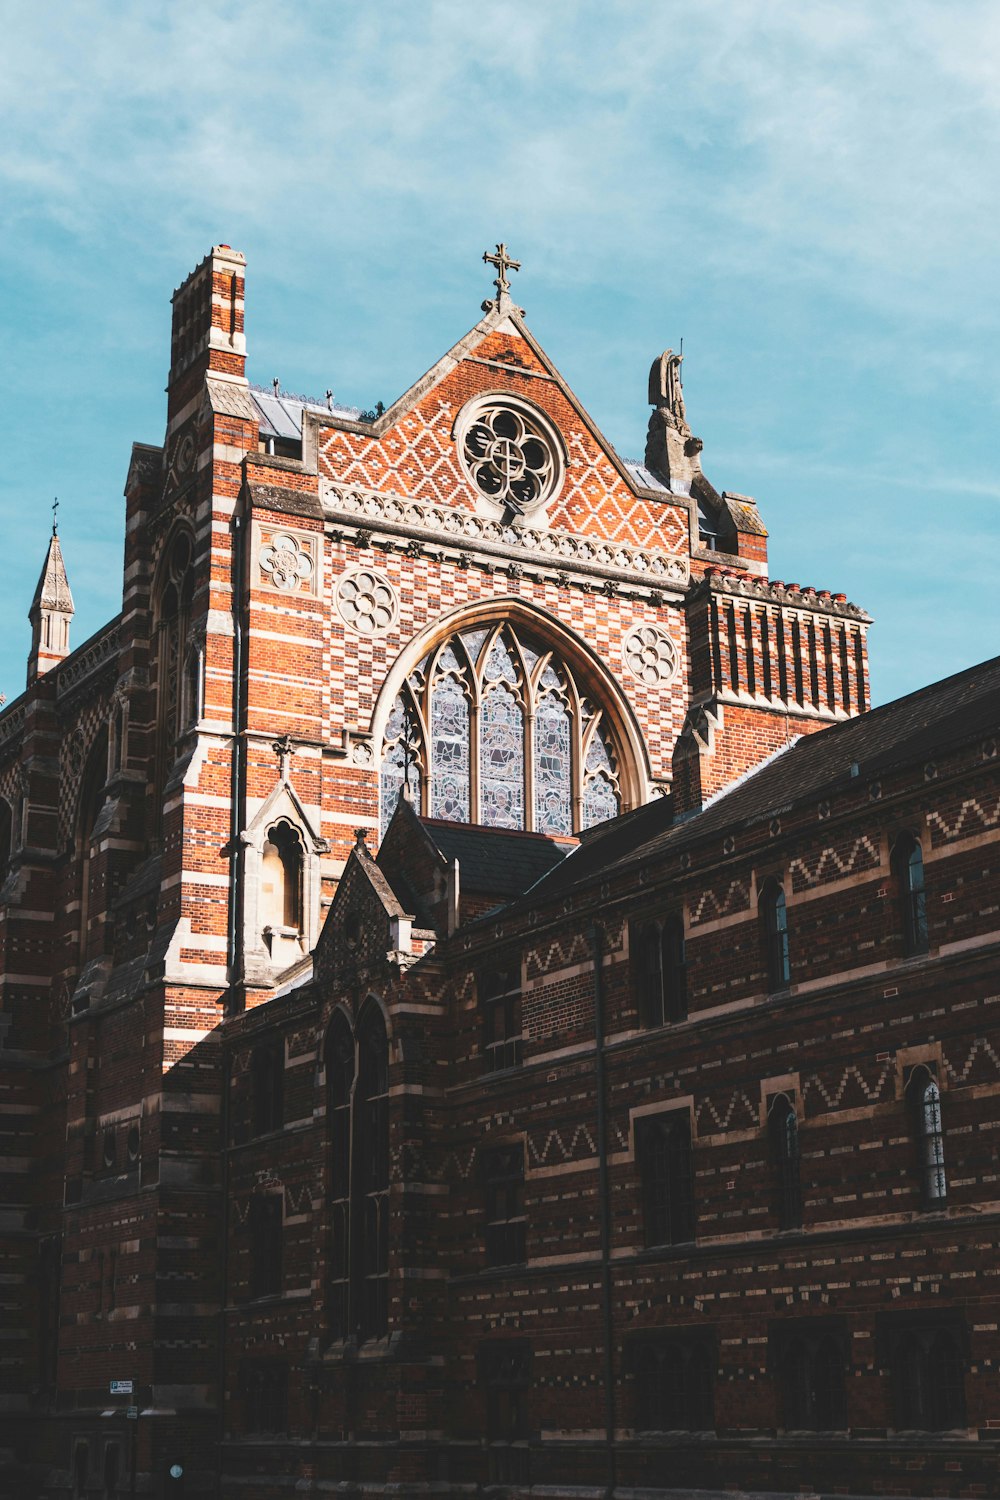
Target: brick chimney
207,326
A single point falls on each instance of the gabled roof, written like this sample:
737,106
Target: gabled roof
496,861
912,729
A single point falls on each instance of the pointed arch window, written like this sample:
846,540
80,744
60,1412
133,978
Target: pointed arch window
281,883
783,1128
924,1096
174,596
494,728
774,920
339,1059
908,869
357,1095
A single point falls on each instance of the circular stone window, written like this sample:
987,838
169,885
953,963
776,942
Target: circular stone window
651,655
510,453
366,601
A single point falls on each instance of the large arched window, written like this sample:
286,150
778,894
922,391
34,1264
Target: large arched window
493,727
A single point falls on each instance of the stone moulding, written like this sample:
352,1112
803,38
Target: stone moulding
12,722
89,658
819,601
400,516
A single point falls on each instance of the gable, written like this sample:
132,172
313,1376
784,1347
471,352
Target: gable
412,450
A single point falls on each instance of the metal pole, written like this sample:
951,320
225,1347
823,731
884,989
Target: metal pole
134,1458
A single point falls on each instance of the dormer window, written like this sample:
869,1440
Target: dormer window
708,528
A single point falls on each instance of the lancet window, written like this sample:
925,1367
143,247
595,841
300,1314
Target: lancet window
493,727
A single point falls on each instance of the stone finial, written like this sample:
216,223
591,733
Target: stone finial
360,838
284,750
51,611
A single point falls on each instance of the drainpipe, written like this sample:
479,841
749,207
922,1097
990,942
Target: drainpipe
605,1212
235,851
235,848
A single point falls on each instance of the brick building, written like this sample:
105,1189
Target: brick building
461,1026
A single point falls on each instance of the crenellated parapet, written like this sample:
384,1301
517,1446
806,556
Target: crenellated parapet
781,646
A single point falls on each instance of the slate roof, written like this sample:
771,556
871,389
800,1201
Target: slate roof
495,861
915,728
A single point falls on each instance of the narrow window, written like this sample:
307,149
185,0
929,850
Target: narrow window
774,917
281,881
928,1375
265,1244
924,1096
267,1071
501,1003
675,1380
503,1171
339,1086
264,1388
81,1469
112,1467
505,1370
661,972
663,1143
674,969
783,1128
373,1173
908,869
810,1362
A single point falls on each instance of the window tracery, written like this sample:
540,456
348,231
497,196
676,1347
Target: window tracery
492,727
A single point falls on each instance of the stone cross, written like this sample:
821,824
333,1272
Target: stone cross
55,516
503,263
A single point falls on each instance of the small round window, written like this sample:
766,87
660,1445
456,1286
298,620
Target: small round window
509,455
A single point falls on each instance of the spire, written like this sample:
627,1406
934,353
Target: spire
51,611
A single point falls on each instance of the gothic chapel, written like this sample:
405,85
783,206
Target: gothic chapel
271,1060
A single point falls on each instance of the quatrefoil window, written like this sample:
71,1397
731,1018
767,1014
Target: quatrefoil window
510,455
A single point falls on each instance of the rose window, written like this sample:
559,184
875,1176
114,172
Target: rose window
651,655
510,459
367,601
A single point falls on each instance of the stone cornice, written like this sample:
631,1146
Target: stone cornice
88,659
398,515
818,601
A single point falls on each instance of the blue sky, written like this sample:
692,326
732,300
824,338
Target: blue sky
809,194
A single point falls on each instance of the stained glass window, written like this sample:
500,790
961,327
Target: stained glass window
501,759
553,765
476,714
400,759
450,761
600,796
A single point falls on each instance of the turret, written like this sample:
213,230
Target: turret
50,613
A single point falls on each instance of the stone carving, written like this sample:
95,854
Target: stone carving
651,655
366,601
665,385
398,513
286,561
